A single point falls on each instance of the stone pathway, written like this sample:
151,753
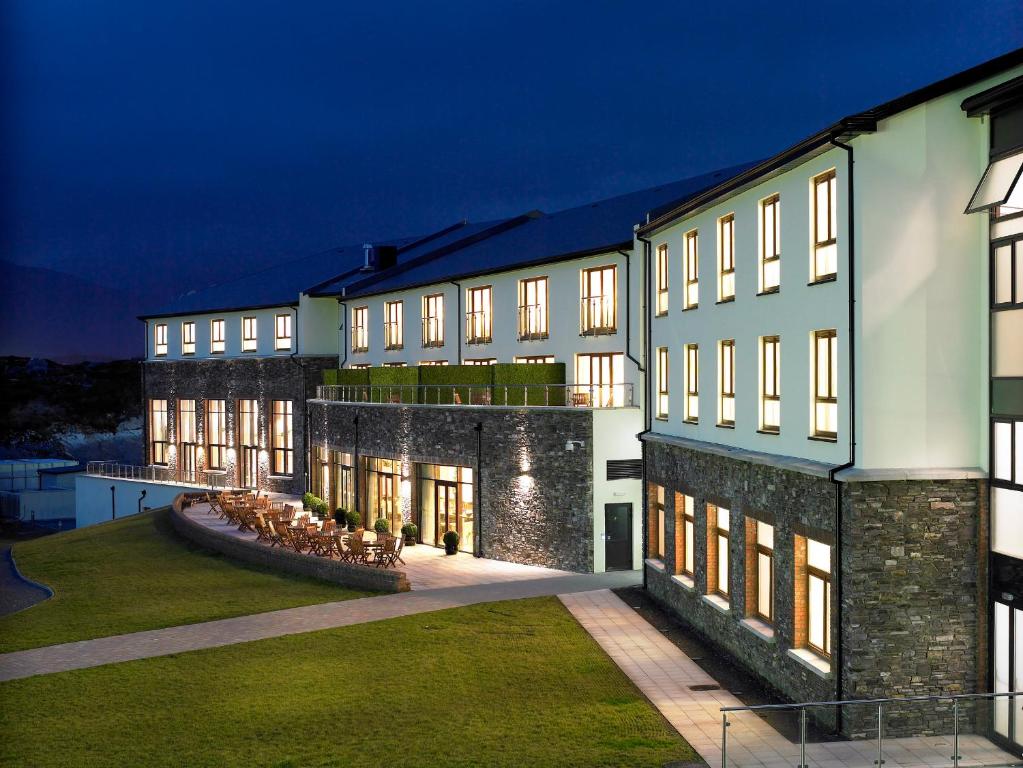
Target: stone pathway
667,677
291,621
16,593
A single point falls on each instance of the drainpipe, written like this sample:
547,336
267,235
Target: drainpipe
628,310
342,354
647,423
306,421
479,487
113,502
145,411
459,319
839,658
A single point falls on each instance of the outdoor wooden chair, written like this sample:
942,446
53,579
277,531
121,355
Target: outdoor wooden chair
282,537
357,551
396,557
329,526
297,538
261,527
384,554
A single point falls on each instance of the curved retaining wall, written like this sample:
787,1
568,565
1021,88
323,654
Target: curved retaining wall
285,560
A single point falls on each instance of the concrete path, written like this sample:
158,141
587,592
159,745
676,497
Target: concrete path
667,677
291,621
16,592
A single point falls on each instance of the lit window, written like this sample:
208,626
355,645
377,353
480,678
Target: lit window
1007,452
533,300
249,342
530,359
433,362
726,258
770,384
161,339
1007,278
691,269
825,387
282,332
187,458
393,325
770,244
396,365
825,225
817,606
283,438
692,376
662,382
726,383
188,338
598,312
479,307
217,343
662,279
685,518
360,366
717,550
492,360
360,329
655,525
600,380
248,443
158,432
763,594
216,434
433,320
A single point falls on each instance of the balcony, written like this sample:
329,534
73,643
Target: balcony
433,332
157,474
478,327
509,395
532,322
597,316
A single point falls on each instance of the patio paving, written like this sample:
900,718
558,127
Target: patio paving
667,676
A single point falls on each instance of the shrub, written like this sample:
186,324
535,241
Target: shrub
403,381
330,375
451,539
382,525
510,380
320,507
340,516
353,518
307,500
442,376
411,530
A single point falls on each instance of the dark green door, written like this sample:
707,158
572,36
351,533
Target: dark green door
618,537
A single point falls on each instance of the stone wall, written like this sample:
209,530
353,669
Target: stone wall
233,379
534,499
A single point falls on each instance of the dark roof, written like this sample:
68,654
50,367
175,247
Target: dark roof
599,227
846,128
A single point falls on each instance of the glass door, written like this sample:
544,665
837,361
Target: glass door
249,466
1007,674
445,509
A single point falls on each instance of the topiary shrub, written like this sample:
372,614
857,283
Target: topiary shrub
307,500
382,525
354,519
410,531
511,380
450,542
394,384
436,381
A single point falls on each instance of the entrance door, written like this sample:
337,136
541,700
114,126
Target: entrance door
187,462
1007,663
446,510
249,466
618,537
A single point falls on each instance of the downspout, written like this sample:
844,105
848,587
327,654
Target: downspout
479,487
307,440
145,410
458,319
628,310
342,354
839,657
647,423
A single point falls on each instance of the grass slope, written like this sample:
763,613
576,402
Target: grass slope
512,684
136,574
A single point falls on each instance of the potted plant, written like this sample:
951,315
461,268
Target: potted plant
320,507
381,525
450,542
354,520
341,517
410,532
307,501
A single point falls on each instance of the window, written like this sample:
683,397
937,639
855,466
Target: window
534,359
763,591
433,320
282,332
216,337
248,334
815,605
161,339
393,325
1007,274
717,550
726,383
433,362
770,384
158,431
187,448
216,434
726,258
533,303
692,375
396,365
598,312
662,382
825,386
770,244
188,338
662,279
248,443
283,438
360,366
1007,452
655,525
360,329
492,360
691,269
685,546
825,225
599,380
478,309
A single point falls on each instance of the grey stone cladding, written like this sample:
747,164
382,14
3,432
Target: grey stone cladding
534,499
912,602
233,379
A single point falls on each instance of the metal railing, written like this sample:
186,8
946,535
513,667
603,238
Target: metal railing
156,474
478,328
433,332
529,395
979,711
532,322
597,316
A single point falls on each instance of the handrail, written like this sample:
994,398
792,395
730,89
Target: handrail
512,395
891,700
156,474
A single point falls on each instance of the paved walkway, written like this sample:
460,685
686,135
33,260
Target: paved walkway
16,593
291,621
667,677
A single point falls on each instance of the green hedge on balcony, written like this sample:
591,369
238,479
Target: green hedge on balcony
436,381
519,384
388,385
346,376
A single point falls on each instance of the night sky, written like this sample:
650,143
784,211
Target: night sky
150,146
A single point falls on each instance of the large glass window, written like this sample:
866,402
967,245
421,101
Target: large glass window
726,258
382,491
188,338
818,597
433,320
656,522
216,434
825,226
282,332
393,324
187,441
248,443
717,548
770,244
600,380
691,270
726,383
249,340
685,518
692,377
599,308
770,384
662,279
662,382
825,405
478,315
1007,278
764,593
360,329
529,359
344,481
533,301
217,339
283,438
446,504
160,339
158,432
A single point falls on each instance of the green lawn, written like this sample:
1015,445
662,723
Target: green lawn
517,683
136,574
